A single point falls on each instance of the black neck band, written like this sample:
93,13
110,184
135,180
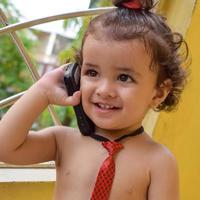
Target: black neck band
104,139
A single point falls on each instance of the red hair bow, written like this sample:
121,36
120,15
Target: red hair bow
134,4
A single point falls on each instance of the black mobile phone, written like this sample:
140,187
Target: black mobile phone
72,83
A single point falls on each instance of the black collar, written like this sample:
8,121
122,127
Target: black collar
104,139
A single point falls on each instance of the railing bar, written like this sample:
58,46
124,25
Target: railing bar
10,100
3,18
29,63
30,23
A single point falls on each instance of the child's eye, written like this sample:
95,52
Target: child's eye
125,78
91,73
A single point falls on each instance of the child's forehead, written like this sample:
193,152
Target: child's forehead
103,45
126,51
93,39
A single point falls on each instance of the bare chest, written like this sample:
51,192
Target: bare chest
77,173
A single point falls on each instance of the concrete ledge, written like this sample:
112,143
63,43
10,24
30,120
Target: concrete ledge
27,175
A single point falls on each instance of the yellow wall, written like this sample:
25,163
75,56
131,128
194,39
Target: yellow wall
180,130
26,191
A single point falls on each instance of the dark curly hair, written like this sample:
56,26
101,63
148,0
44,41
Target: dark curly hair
127,24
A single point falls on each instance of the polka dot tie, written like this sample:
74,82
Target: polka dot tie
106,173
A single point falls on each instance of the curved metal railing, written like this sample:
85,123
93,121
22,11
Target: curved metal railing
30,23
10,29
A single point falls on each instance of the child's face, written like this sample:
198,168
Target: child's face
117,84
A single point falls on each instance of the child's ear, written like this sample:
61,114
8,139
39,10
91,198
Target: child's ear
161,93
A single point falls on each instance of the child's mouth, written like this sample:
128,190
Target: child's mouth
105,106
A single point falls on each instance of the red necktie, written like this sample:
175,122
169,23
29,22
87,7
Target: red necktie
106,173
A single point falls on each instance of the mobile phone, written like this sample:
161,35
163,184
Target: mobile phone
72,83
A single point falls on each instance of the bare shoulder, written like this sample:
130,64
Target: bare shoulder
153,152
58,133
65,134
160,155
67,139
163,171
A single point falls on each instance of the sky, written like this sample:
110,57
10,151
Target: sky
32,9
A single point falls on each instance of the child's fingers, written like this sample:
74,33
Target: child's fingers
75,99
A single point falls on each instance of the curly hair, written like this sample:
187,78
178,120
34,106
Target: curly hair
151,28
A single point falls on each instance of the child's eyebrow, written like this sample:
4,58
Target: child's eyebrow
90,65
129,70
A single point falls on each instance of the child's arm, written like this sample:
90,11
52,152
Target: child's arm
164,177
16,145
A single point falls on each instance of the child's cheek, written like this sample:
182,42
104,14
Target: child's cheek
83,89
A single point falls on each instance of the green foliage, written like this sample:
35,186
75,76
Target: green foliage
14,76
10,11
97,3
68,53
66,115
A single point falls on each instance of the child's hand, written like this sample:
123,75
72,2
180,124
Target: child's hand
52,84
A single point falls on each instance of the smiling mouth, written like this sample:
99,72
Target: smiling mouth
105,106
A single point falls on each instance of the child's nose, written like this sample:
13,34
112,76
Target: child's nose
106,89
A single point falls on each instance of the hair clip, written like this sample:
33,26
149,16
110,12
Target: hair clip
134,4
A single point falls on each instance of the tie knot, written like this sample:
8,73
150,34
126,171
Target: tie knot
112,146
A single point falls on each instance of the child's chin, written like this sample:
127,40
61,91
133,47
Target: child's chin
106,126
